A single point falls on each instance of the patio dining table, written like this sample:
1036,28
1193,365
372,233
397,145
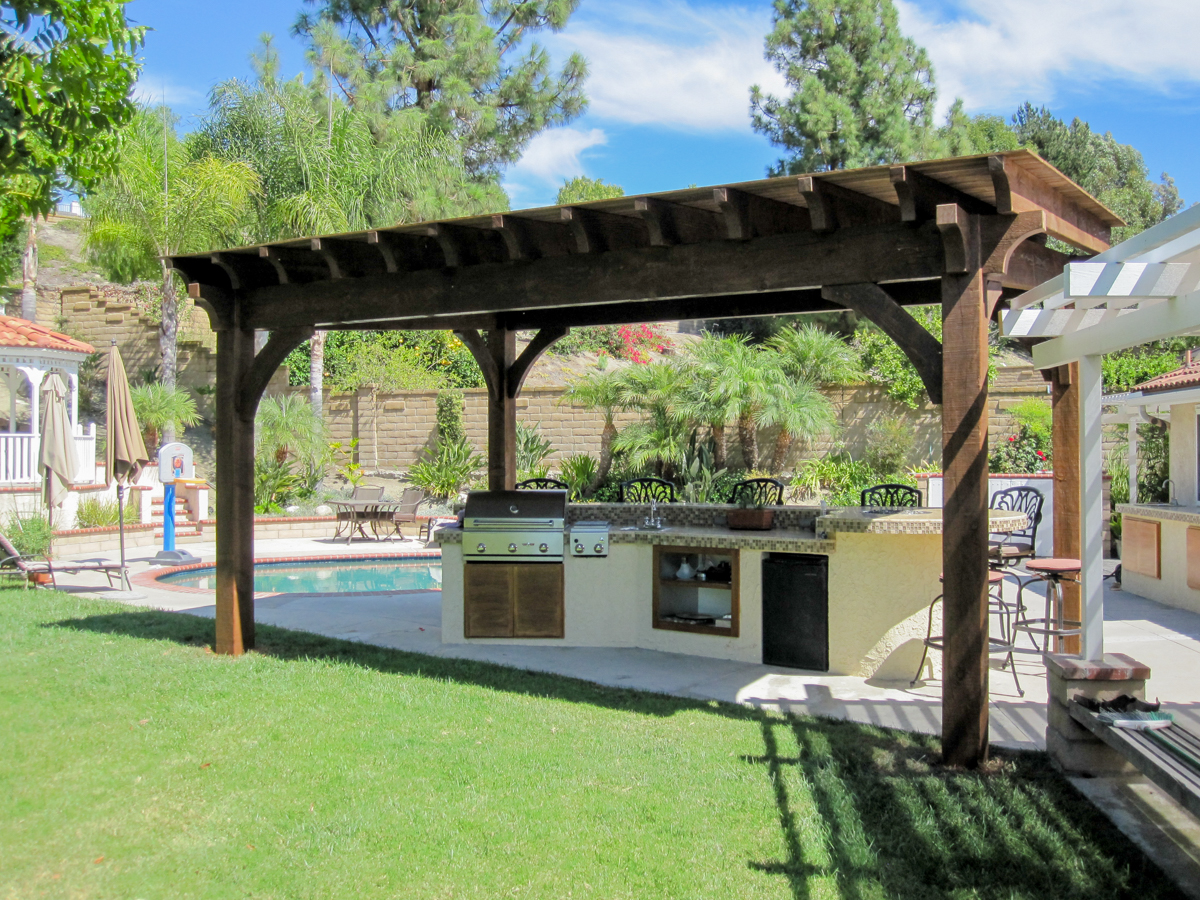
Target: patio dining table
362,513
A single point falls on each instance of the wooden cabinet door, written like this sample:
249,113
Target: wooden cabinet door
487,600
1140,547
538,601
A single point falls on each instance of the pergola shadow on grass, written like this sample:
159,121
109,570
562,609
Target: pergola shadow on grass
964,233
657,795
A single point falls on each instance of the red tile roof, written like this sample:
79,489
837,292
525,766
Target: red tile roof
16,332
1184,377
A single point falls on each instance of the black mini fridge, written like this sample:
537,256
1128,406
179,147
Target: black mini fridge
795,599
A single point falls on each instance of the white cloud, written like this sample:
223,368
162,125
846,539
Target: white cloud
554,155
673,64
152,91
996,54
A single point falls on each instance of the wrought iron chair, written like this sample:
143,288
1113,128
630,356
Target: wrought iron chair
890,495
1008,550
643,490
757,492
542,484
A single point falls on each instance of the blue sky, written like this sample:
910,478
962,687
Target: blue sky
669,80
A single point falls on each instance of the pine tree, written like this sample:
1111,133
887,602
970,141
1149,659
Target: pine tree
461,64
862,92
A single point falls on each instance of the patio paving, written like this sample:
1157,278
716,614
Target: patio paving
1167,639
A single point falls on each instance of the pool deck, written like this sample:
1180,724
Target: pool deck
1166,638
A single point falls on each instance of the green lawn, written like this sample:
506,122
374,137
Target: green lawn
135,764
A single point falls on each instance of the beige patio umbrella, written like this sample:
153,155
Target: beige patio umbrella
125,452
56,460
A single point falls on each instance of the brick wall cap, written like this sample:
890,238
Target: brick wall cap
1114,667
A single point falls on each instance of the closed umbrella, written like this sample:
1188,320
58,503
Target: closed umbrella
56,461
125,451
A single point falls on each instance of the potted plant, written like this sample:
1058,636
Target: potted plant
751,515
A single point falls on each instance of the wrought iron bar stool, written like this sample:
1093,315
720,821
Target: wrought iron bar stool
1052,626
1003,644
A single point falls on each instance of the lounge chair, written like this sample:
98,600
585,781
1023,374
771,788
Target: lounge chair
13,559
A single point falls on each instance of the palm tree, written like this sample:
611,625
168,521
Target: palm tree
287,426
330,167
811,356
600,391
700,400
661,439
816,355
799,408
160,201
160,408
747,379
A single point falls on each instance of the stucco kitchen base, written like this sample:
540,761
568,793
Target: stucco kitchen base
883,573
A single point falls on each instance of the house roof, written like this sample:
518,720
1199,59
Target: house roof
1186,376
22,333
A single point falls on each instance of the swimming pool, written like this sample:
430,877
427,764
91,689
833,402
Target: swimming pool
325,576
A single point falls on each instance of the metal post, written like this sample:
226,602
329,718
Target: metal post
169,516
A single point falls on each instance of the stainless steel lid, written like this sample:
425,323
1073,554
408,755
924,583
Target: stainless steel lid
492,510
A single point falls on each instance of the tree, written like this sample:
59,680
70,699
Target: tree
600,391
66,70
581,189
162,201
862,93
964,135
326,167
288,426
452,63
162,410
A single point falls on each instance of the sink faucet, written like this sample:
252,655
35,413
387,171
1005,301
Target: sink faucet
1170,486
653,520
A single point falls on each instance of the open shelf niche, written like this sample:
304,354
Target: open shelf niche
706,605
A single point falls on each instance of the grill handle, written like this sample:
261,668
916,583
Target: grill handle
511,523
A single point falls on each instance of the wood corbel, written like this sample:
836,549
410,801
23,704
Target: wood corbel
281,342
331,253
215,301
477,344
542,341
920,196
385,243
450,241
821,211
585,229
735,207
953,223
275,258
875,304
660,221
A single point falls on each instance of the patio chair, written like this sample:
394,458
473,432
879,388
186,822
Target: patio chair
890,495
406,512
542,484
1007,551
14,560
643,490
757,492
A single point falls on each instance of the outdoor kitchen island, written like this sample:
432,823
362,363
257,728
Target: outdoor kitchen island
864,579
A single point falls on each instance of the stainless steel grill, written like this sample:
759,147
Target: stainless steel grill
589,539
526,526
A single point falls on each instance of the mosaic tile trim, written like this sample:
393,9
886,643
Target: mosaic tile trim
910,521
1169,513
684,515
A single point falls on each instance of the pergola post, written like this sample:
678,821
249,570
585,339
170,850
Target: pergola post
1091,522
235,495
965,517
242,377
502,412
1065,400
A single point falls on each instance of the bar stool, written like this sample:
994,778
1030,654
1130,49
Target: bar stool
1052,626
1003,644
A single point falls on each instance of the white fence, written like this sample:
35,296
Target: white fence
19,457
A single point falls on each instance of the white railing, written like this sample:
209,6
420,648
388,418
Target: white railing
19,457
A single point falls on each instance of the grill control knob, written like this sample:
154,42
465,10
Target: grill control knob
579,548
512,548
543,547
599,548
481,548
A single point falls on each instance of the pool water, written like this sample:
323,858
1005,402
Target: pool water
326,576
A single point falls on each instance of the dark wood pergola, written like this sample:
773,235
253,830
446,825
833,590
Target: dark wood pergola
965,233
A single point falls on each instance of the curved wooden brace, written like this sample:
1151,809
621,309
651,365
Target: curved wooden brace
542,341
215,301
266,361
477,344
921,347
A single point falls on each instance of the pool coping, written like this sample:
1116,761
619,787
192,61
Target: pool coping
150,578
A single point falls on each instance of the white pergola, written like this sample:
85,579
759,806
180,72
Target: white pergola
1144,289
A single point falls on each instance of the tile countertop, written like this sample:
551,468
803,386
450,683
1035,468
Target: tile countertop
851,519
1189,514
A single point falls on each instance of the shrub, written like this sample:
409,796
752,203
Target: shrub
450,426
29,534
1122,371
445,472
96,513
275,482
890,443
532,450
1030,449
579,470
